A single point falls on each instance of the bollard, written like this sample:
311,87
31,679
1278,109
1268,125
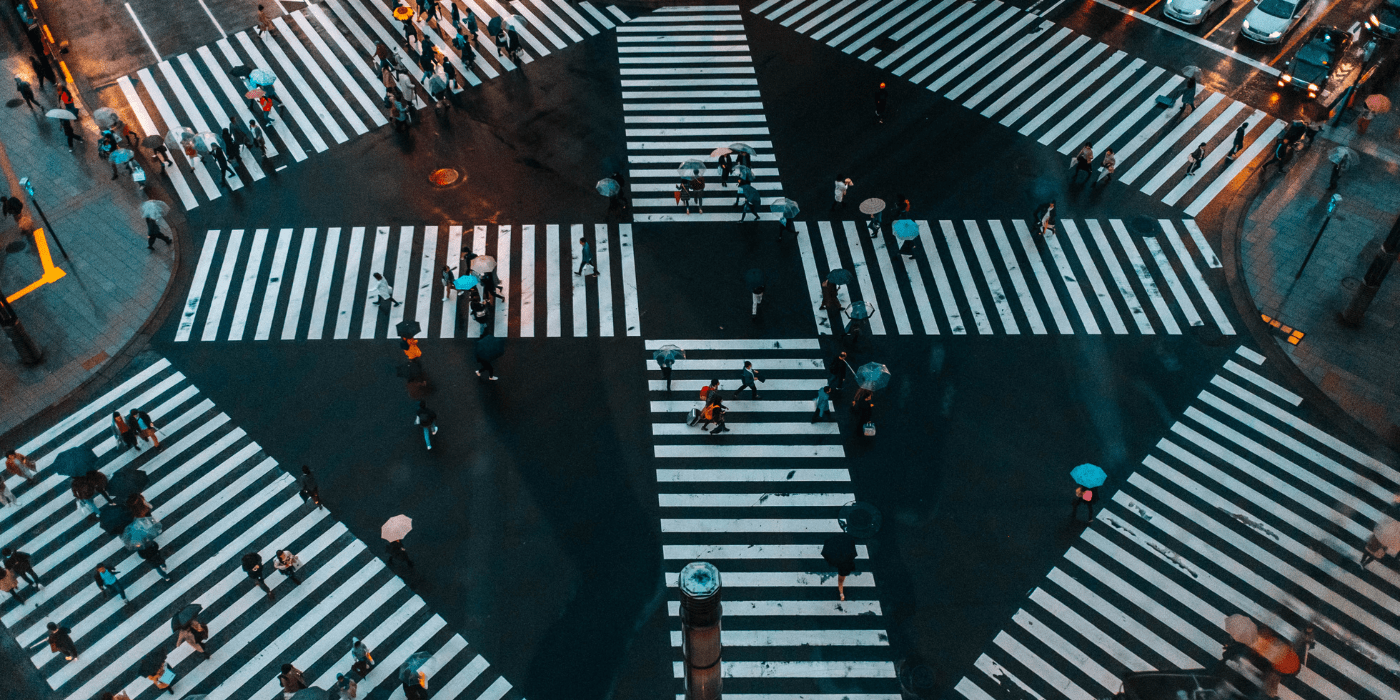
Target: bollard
700,630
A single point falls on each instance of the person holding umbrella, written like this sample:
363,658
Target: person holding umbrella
726,165
1384,540
1087,478
396,551
414,679
840,552
665,358
489,348
427,418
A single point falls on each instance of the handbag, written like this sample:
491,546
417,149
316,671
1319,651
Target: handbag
870,429
168,676
678,196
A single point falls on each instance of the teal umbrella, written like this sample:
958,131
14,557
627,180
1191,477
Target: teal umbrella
873,376
906,230
121,155
1090,476
743,172
840,277
785,206
750,194
75,461
668,354
742,148
466,282
263,77
607,187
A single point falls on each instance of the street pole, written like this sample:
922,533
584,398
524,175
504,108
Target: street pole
29,351
1371,284
700,630
29,187
1331,207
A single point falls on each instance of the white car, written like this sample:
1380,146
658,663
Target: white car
1191,11
1272,19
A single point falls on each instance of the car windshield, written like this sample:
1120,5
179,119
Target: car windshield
1315,53
1278,8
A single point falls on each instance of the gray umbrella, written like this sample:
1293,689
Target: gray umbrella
141,531
785,206
691,169
154,209
1342,156
840,277
409,670
751,195
667,354
860,309
873,376
75,461
742,148
105,116
743,172
607,187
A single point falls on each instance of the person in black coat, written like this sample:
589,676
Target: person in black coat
837,367
253,566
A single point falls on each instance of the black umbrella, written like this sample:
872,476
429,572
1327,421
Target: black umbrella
183,618
494,26
408,329
76,461
127,482
840,552
152,141
490,347
152,664
242,71
114,518
251,559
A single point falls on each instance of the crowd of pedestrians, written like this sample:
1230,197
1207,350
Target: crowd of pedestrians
712,410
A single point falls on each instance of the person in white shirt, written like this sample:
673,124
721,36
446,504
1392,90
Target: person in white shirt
842,184
380,287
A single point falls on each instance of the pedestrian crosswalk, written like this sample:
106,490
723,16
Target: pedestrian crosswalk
1048,83
786,635
988,277
218,496
329,85
779,425
316,283
689,87
1244,507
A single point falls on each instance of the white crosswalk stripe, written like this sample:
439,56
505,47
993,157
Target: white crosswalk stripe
689,87
787,636
979,275
330,89
1046,82
411,260
1214,524
218,496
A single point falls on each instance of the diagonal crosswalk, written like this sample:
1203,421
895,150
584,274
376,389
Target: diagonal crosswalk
330,88
1244,507
989,277
218,496
315,283
689,87
1048,83
786,633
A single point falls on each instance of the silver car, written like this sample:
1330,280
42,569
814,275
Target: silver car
1191,11
1271,20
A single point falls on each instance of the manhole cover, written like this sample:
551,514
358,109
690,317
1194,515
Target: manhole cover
916,678
859,519
1348,283
442,177
15,247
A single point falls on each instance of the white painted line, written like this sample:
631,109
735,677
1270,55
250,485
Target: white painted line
1125,621
1194,274
143,118
427,281
1250,355
1258,380
1115,270
1071,282
735,365
325,279
552,287
969,285
221,285
758,500
527,280
250,282
1245,159
1071,95
802,669
882,252
574,14
1092,102
694,385
720,451
605,288
1144,276
784,579
221,118
599,16
1086,262
274,285
863,280
1086,132
989,274
1040,667
1081,661
356,89
400,280
318,76
448,324
797,638
1042,277
1025,104
348,283
502,321
1035,77
142,29
201,174
1191,37
1198,237
377,261
201,274
809,268
1018,281
1044,45
794,608
1173,139
1173,282
752,475
737,429
987,66
940,279
739,344
775,525
988,25
1207,164
580,283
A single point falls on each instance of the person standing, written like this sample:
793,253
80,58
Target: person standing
364,660
836,367
726,166
586,257
842,184
21,466
140,421
1197,156
822,403
310,491
746,379
1082,163
150,552
1238,143
381,289
1045,218
264,22
881,102
1083,497
253,566
107,582
10,584
397,551
1109,164
288,563
43,70
60,641
427,418
21,564
123,432
27,92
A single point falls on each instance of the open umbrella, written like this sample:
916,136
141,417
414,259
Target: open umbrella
742,148
743,172
402,12
408,329
691,169
466,282
75,461
154,209
490,347
1090,476
607,187
242,71
153,663
874,205
212,139
784,206
187,614
436,85
1191,71
177,137
1380,104
1342,156
61,114
105,116
201,146
860,310
143,529
494,26
396,527
127,482
1241,629
667,354
1388,534
121,155
114,518
416,661
840,552
751,194
312,694
873,376
720,151
840,277
254,94
906,229
483,264
262,77
152,141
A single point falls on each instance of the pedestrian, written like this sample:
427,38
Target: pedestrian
1082,162
194,635
837,367
85,495
381,56
26,91
123,432
21,564
1374,549
842,184
264,22
1197,156
256,138
410,348
107,581
831,304
397,551
463,43
99,484
119,695
65,100
1188,95
486,373
310,491
381,289
291,679
757,294
881,101
746,379
7,498
683,196
253,566
821,405
138,505
364,660
288,564
150,552
872,225
1109,163
400,119
138,420
344,687
10,584
714,413
449,73
265,105
11,206
1045,218
1314,128
1238,143
153,233
748,208
43,70
415,687
726,166
427,418
513,44
164,679
863,410
665,362
69,133
586,258
60,641
1363,120
222,159
785,225
710,392
470,21
1083,497
233,136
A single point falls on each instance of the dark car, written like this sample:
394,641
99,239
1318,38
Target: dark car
1385,19
1311,67
1198,684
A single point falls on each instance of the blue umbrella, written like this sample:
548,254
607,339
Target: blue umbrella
466,282
668,354
1090,476
607,187
905,230
840,277
261,76
121,155
873,376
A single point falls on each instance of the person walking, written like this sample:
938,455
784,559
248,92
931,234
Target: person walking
1238,144
837,367
1197,156
709,395
683,196
345,688
256,139
1082,163
291,679
21,466
397,551
449,281
150,553
10,584
43,70
153,233
222,159
310,491
842,185
1109,163
746,379
1083,497
288,564
757,294
873,224
86,495
832,304
414,688
7,498
106,580
69,134
99,484
1045,218
123,432
427,419
863,409
714,413
253,566
264,22
138,420
21,564
27,92
194,635
1188,95
748,208
164,679
235,137
665,362
65,101
726,166
364,660
60,641
380,287
138,506
881,102
821,405
586,258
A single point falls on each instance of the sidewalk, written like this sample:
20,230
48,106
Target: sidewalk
1359,369
112,285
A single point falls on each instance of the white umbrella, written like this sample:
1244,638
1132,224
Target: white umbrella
396,527
1241,629
154,209
483,264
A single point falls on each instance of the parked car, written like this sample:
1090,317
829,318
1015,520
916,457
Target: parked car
1311,67
1270,20
1198,684
1192,11
1385,19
